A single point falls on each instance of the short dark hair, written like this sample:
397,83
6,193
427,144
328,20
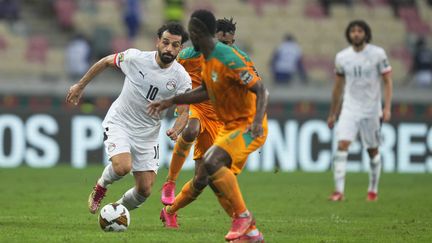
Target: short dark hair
226,25
174,28
207,18
362,24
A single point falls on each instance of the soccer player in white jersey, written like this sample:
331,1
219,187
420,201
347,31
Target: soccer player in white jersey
360,69
131,134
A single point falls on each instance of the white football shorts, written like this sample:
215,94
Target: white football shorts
369,128
145,153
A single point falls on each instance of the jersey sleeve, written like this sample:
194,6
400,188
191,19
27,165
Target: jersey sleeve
339,70
123,60
182,61
247,76
185,83
245,72
383,63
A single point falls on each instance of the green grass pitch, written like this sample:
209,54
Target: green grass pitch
50,205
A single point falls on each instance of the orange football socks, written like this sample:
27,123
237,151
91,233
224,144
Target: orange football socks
187,195
226,183
224,202
180,153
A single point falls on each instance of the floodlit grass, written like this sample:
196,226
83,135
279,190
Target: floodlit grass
50,205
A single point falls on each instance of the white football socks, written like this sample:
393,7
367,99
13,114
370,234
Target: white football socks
374,173
339,170
108,176
132,199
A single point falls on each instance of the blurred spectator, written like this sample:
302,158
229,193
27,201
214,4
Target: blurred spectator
326,4
287,61
3,44
174,10
102,35
10,9
37,49
132,17
65,10
259,4
397,4
422,64
77,57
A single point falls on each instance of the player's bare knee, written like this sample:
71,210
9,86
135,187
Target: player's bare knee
144,190
122,169
212,166
343,145
190,133
200,182
372,152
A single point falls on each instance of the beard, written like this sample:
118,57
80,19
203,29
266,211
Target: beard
166,58
359,42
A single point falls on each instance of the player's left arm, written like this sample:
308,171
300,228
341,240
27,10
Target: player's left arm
388,94
262,95
180,123
386,70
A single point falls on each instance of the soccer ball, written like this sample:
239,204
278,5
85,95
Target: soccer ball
114,217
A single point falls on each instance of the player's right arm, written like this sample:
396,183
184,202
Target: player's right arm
197,95
76,90
338,88
336,99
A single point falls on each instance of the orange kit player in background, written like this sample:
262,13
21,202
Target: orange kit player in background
240,101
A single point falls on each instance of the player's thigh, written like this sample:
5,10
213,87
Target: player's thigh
122,162
117,146
206,138
238,144
370,132
192,129
215,158
144,181
347,128
201,176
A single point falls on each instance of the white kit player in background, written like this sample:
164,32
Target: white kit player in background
131,134
360,69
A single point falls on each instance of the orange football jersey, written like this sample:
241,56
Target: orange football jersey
228,75
192,61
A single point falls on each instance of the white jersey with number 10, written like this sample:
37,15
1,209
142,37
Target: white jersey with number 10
145,82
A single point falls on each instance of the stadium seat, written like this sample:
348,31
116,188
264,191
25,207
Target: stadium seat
102,35
3,44
120,43
37,47
314,10
65,10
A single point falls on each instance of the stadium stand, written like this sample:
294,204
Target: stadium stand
261,26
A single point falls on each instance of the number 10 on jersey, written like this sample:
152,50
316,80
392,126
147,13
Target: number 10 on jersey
151,94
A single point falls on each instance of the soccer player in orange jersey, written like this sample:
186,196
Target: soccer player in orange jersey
203,123
240,100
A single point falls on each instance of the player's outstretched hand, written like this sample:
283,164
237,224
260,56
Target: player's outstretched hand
172,133
156,107
331,121
74,94
256,129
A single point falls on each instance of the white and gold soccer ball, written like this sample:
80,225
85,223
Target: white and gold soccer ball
114,217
